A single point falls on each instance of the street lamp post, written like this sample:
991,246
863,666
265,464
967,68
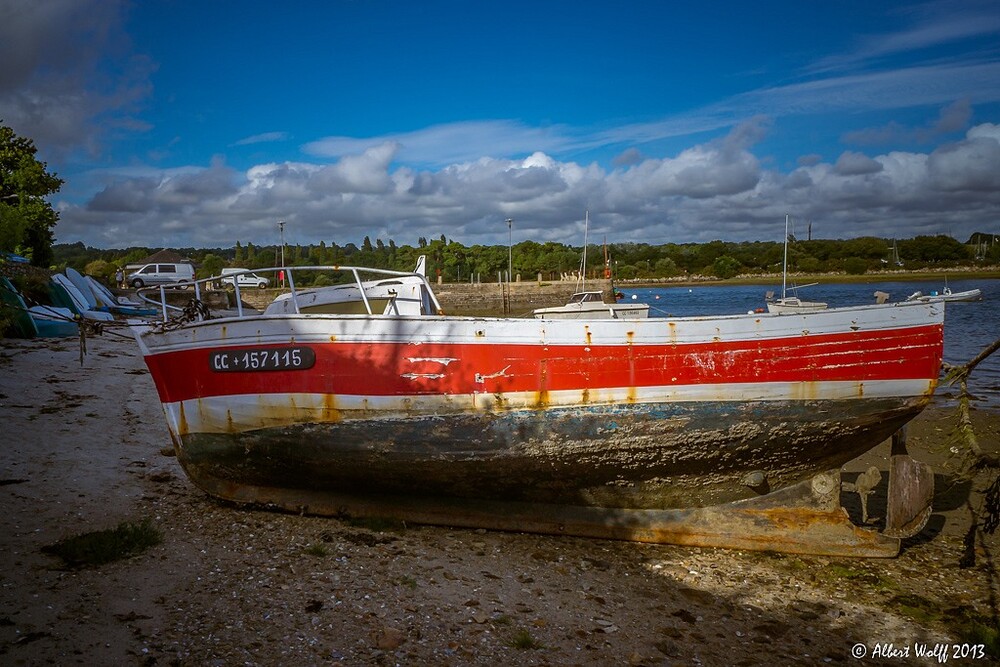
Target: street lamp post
281,229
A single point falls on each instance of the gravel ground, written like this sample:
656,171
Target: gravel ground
85,447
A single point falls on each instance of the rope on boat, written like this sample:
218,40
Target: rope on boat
987,515
194,311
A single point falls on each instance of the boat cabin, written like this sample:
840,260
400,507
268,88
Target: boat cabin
587,297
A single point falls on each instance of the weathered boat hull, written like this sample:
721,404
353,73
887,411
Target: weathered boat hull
641,456
649,415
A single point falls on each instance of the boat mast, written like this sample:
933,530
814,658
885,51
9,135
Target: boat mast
583,260
784,263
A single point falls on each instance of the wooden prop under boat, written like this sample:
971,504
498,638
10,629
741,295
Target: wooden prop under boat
714,431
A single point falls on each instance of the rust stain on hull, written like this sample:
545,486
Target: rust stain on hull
806,524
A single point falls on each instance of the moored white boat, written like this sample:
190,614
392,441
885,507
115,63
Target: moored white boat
591,305
793,304
602,426
790,304
947,295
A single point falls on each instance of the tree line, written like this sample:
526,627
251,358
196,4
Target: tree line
456,262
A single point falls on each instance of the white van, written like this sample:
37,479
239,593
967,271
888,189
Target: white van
161,274
243,278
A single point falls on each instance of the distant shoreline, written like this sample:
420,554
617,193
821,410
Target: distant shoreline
942,275
989,273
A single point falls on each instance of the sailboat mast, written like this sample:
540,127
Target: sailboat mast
784,263
583,260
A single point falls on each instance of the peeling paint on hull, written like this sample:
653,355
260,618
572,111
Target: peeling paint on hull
646,457
647,415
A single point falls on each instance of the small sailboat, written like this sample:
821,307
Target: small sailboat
791,304
893,259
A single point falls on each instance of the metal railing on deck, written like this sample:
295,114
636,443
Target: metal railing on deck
355,271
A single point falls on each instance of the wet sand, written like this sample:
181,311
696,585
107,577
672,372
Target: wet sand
86,447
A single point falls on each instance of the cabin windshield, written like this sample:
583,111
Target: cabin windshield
586,297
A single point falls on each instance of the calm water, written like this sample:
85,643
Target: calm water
968,327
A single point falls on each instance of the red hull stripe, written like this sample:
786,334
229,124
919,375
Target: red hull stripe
402,369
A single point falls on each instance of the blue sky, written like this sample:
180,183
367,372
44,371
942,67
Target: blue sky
178,123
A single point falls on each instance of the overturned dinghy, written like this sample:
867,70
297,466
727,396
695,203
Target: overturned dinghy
713,431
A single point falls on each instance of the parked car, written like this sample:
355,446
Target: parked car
243,278
161,274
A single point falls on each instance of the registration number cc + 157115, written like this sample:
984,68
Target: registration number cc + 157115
295,358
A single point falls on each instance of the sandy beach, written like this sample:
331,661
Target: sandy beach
85,447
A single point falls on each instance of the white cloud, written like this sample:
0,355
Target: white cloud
454,142
984,131
719,189
263,138
937,24
854,164
970,165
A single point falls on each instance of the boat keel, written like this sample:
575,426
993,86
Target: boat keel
805,518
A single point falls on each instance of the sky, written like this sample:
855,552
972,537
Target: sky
181,123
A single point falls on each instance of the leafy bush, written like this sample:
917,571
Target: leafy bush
855,266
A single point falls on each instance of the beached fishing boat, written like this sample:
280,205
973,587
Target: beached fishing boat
631,429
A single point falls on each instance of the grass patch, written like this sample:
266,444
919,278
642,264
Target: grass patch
837,573
105,546
409,582
523,640
317,550
919,608
988,634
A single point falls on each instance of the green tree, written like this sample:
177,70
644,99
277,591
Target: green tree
26,219
665,268
211,265
102,270
855,266
725,267
317,254
238,256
